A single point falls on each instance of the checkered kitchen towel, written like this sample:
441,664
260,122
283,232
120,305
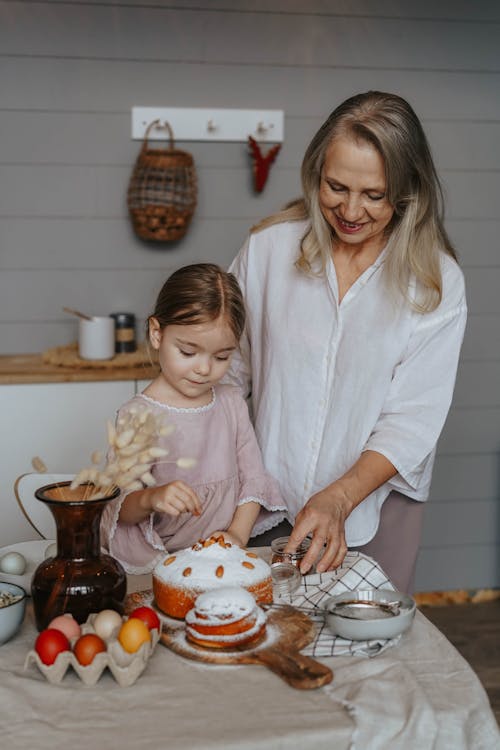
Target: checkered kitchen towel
358,571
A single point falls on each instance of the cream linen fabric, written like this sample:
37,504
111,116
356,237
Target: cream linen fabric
419,695
331,380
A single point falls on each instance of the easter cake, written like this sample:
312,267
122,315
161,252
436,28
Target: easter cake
209,564
225,618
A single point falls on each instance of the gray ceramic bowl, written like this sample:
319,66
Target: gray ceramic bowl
372,603
11,615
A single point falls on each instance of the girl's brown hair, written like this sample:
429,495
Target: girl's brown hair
199,293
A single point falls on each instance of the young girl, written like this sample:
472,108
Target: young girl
195,328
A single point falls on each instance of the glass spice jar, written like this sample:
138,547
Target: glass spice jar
79,579
124,332
280,556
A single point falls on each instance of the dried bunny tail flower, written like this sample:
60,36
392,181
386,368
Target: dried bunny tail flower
186,463
96,457
124,438
133,448
156,452
111,432
80,478
151,453
38,465
148,479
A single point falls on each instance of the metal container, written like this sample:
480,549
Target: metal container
124,332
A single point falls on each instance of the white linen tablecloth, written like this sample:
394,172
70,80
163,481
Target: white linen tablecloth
417,695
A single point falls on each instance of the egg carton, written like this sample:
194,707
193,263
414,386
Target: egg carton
124,667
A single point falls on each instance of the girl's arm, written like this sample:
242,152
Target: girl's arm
238,531
173,498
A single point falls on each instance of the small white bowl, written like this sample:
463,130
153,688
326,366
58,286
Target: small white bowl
383,627
11,615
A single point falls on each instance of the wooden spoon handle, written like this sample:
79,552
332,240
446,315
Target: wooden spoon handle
77,313
298,670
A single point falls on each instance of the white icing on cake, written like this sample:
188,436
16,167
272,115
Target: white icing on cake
200,566
222,607
227,604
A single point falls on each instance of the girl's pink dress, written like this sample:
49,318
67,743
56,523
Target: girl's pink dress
228,472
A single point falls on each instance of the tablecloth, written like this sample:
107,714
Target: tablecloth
419,694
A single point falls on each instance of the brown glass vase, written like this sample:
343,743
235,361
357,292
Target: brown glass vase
80,579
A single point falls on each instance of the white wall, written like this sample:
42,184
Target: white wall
70,72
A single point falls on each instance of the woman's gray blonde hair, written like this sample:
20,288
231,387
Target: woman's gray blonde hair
416,234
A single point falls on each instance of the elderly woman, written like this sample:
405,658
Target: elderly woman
356,314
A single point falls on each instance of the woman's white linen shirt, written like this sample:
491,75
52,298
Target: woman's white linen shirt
329,381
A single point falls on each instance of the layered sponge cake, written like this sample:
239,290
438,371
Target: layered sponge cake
209,564
225,618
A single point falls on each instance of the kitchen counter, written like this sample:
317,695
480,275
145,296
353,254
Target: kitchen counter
17,369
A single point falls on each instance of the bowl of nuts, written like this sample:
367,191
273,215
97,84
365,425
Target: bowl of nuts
12,607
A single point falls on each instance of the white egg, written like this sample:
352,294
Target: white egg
51,550
106,622
13,563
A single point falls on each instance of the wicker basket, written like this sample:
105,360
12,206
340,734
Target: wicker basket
162,192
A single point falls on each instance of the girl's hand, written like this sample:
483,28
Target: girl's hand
174,498
324,516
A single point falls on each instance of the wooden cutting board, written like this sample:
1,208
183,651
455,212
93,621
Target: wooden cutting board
288,631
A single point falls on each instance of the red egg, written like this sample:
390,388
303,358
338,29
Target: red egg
148,616
49,644
87,647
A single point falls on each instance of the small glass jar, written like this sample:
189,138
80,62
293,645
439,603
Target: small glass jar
280,556
286,579
124,332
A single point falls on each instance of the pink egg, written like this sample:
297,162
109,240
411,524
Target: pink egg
67,625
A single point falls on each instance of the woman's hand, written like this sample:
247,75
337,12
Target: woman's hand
324,516
174,498
325,513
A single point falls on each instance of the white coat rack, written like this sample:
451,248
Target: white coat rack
194,124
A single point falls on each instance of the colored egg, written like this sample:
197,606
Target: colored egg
13,563
67,625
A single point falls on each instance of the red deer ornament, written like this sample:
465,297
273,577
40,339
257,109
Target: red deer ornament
261,163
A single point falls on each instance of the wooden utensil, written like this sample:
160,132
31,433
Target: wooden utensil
78,314
295,631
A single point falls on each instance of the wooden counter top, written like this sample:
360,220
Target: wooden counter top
30,368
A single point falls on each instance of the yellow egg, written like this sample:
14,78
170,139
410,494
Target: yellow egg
133,633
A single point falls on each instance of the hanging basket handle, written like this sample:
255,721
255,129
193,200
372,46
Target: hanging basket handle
158,123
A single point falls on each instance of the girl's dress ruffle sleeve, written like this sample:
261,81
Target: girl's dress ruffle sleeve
138,547
256,485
